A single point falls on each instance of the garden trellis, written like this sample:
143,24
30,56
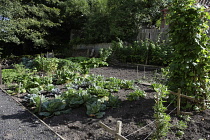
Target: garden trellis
117,131
192,99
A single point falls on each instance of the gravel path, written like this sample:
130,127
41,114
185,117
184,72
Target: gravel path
16,123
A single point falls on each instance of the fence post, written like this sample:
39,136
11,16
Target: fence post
178,101
118,129
0,75
137,72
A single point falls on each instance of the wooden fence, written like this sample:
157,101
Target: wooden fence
152,34
192,99
155,34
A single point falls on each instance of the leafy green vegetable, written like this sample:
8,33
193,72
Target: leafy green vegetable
36,100
113,101
136,95
52,107
95,108
98,91
127,84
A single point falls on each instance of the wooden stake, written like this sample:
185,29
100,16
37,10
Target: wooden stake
204,104
118,129
178,101
158,118
137,72
40,105
117,132
0,75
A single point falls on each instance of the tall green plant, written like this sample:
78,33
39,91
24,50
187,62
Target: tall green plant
162,119
188,34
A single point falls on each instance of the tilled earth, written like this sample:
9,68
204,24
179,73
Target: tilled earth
136,116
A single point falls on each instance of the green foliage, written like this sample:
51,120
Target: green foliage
28,22
95,108
113,101
64,76
144,52
41,25
53,107
112,84
92,91
9,75
92,63
105,53
127,84
135,95
36,100
48,65
77,59
162,119
75,98
189,69
71,64
98,91
180,127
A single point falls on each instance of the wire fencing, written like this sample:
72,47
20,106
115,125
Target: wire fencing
151,123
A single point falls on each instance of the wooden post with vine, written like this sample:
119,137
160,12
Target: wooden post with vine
178,101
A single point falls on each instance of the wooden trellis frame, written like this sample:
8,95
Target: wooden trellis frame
117,132
179,96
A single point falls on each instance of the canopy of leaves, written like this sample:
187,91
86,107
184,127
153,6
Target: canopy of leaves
29,24
189,69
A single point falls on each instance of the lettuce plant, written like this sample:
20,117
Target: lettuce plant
135,95
127,84
98,91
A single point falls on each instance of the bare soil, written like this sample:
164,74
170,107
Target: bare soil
135,115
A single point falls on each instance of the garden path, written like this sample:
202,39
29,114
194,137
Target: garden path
17,123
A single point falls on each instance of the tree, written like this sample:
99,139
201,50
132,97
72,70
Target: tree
96,29
28,22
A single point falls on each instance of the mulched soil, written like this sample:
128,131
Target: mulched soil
133,114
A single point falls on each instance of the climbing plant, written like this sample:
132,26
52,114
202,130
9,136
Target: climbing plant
190,67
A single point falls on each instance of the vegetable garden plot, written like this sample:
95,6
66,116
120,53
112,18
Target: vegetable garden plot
134,114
